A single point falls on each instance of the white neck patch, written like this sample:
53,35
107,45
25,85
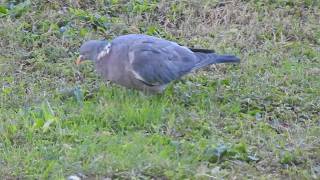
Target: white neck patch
104,51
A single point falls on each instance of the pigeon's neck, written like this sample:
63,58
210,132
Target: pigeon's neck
105,50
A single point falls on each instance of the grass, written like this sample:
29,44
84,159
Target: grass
259,119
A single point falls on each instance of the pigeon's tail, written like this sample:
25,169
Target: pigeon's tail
212,58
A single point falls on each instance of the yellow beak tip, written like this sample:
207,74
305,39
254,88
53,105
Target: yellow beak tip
78,61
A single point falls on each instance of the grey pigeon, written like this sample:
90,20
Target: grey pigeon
145,62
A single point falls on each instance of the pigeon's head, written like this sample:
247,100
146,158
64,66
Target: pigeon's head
93,50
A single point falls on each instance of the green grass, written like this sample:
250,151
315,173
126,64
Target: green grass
256,120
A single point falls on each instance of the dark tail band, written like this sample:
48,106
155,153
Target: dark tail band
226,59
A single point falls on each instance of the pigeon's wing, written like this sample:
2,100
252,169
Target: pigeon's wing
157,62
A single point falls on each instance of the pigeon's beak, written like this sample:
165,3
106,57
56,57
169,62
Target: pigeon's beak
79,60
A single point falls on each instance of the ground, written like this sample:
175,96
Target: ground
256,120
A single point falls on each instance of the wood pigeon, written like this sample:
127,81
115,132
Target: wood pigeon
145,62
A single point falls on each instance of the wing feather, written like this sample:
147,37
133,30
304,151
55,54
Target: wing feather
157,62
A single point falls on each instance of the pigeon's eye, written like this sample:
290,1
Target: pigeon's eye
107,47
